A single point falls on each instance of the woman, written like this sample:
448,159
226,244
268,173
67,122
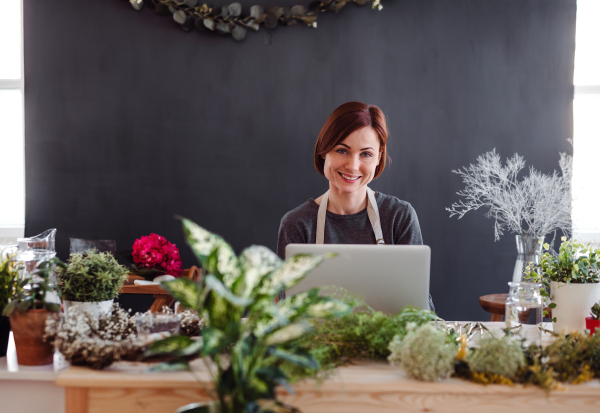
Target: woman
350,152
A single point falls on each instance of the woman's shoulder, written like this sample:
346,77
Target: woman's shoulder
392,204
302,213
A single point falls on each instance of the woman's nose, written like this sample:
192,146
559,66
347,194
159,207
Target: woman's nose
353,164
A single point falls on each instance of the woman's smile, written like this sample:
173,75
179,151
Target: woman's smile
349,178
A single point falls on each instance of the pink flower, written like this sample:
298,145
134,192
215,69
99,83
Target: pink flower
154,251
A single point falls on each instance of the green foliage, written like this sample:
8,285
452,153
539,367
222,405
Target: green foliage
92,277
248,353
500,356
9,277
30,293
362,334
595,313
426,353
575,263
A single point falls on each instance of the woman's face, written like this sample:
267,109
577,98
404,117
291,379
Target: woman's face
351,164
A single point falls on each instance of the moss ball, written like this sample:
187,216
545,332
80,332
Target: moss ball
501,356
425,354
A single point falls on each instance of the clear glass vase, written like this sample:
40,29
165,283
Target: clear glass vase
524,312
528,250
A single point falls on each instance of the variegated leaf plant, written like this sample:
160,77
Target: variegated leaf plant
249,335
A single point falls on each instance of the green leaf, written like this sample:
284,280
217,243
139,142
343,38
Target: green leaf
218,287
292,271
302,359
213,341
52,307
552,305
10,307
173,345
257,262
554,320
288,333
186,291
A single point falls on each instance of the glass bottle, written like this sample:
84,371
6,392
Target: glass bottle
524,311
528,250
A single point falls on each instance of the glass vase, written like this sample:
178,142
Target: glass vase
524,312
528,250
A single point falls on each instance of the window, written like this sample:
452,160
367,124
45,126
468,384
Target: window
586,120
12,148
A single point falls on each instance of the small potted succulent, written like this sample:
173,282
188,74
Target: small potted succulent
593,322
91,282
28,310
571,279
9,275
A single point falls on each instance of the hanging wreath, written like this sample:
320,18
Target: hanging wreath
228,19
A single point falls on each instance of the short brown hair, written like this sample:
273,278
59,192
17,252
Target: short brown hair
346,119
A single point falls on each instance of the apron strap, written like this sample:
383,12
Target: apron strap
372,211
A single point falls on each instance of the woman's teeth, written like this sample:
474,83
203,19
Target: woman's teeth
350,178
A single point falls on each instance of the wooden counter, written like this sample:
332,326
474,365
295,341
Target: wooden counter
361,388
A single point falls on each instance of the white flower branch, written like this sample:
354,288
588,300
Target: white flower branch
534,206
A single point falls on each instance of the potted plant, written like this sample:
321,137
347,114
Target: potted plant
593,322
91,282
152,255
248,336
9,275
572,281
28,311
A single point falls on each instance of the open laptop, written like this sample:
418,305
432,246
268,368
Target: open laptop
386,277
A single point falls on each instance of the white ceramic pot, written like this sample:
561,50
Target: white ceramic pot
573,305
93,308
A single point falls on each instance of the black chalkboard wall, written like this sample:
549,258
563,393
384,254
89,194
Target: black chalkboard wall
129,120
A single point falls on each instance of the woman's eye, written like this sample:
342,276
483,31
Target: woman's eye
367,154
342,151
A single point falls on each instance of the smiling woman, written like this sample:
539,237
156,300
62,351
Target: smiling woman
350,152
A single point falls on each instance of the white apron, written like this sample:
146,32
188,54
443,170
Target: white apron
372,211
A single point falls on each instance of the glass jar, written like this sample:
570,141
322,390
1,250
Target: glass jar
528,251
524,311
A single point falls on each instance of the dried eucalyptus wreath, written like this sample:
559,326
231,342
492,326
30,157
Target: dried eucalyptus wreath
228,19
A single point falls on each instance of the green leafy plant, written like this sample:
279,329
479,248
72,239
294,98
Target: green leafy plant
363,334
595,313
575,263
425,354
247,354
92,277
30,293
9,278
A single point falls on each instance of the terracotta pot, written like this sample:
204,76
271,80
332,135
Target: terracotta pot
592,324
28,331
4,334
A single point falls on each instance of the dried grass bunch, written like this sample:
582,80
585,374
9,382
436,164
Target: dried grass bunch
95,343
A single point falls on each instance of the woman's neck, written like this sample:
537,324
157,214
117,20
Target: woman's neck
344,203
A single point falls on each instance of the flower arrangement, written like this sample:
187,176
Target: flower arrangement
532,207
91,342
91,277
155,252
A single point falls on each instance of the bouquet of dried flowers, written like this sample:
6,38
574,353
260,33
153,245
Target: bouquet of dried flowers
96,343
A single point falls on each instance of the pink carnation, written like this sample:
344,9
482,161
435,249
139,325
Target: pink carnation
154,251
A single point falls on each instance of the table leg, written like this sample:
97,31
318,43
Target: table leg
161,300
496,317
76,400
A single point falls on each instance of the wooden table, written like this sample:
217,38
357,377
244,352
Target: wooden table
366,387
